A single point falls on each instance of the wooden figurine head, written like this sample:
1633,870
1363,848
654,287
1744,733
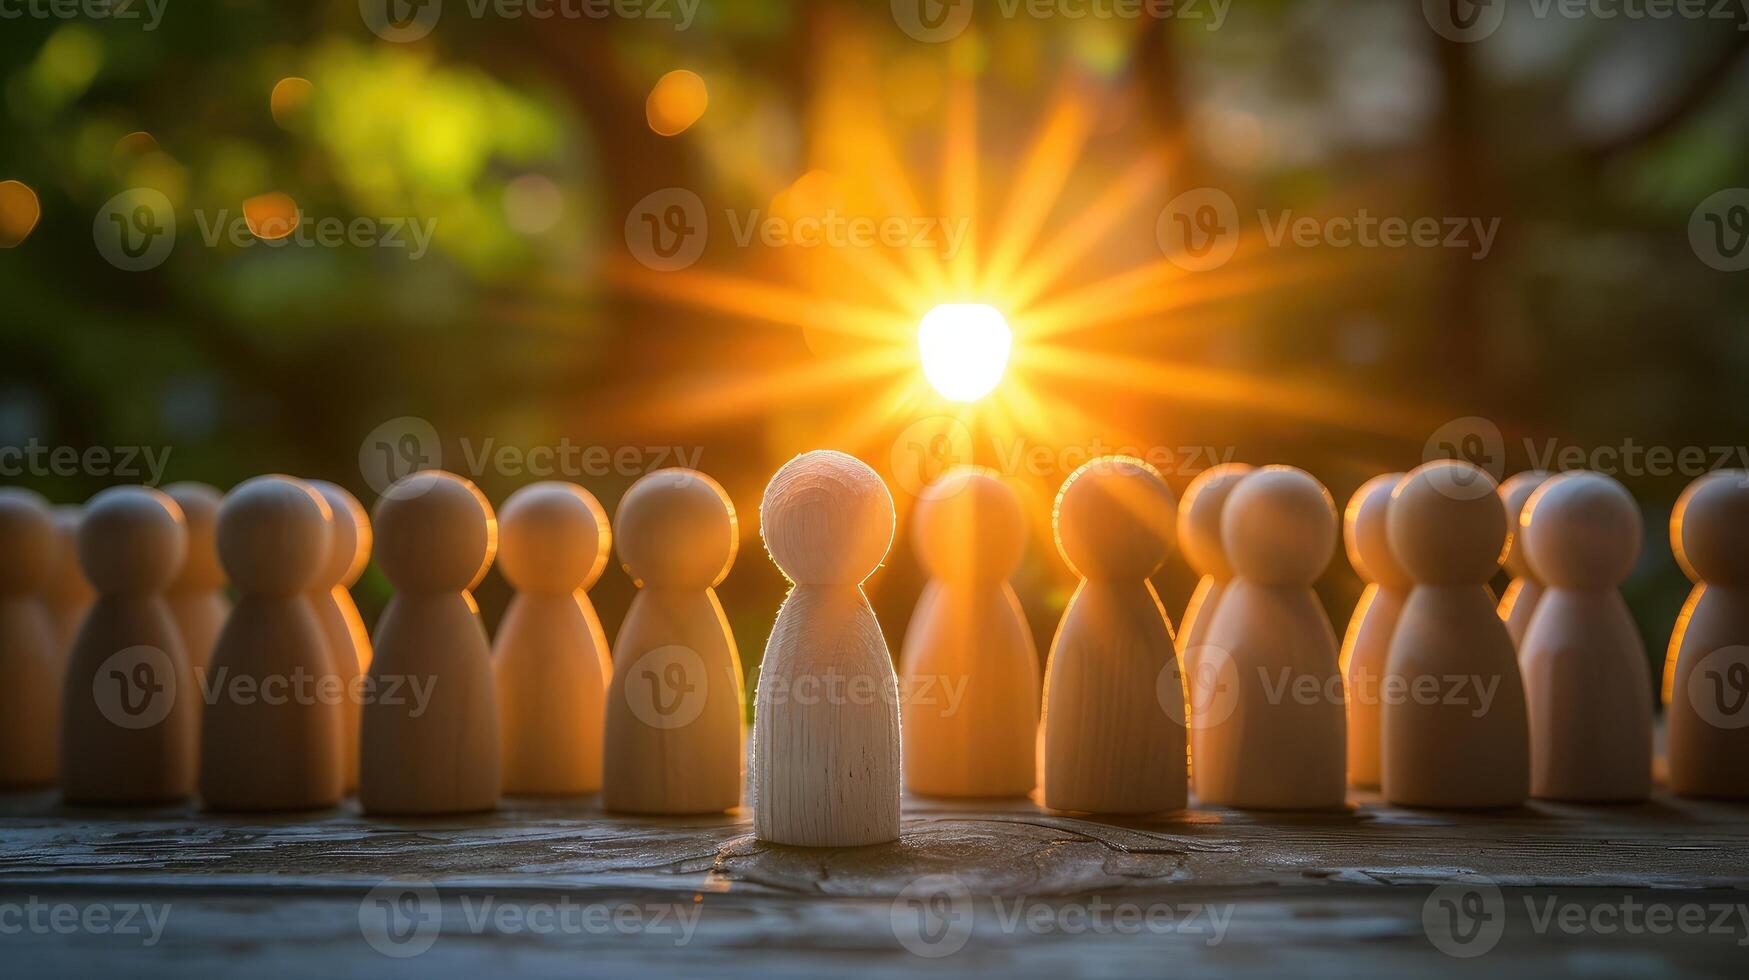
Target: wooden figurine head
676,528
1364,533
350,537
29,544
552,537
1199,518
1709,529
273,535
1513,493
1442,537
131,540
1115,519
1279,526
968,527
200,571
435,532
826,519
1581,530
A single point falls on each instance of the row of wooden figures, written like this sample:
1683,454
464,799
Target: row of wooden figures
157,689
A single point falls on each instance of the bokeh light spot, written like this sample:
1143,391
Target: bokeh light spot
532,203
19,211
677,101
289,99
271,216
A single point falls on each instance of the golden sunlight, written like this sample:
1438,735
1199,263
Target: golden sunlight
964,347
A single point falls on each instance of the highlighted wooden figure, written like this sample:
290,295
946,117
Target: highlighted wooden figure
1708,714
1274,735
431,745
262,748
1453,731
130,707
1199,537
30,659
1526,588
66,592
1113,720
971,679
825,760
1586,683
550,659
675,742
1368,640
197,597
343,629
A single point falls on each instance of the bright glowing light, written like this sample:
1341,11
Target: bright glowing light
965,349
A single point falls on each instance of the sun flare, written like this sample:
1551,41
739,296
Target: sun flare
964,347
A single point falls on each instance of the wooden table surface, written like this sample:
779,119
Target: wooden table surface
558,888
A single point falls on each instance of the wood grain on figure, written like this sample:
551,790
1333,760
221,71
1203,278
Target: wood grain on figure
675,739
343,630
1587,687
1708,713
30,658
1199,537
1368,640
197,594
825,760
130,707
1274,735
1453,731
431,745
1113,717
67,594
550,660
969,667
1526,588
271,732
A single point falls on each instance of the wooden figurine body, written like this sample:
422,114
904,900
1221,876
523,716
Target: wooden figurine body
433,747
675,739
30,659
1586,684
825,762
1281,742
197,598
969,668
1526,588
1199,537
130,706
549,659
262,748
348,642
1113,719
67,594
1471,750
1708,713
1368,640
